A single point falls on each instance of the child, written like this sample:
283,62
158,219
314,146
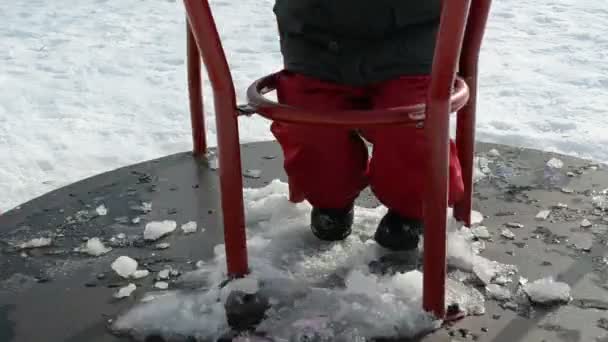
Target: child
358,54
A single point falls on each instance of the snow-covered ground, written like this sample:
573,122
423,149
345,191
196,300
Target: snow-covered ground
91,85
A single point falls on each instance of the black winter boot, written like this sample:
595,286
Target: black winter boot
331,224
397,233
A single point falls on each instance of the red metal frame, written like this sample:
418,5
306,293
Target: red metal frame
458,44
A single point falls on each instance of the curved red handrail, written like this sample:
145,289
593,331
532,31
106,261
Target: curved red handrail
412,115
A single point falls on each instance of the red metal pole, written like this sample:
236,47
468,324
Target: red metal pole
449,42
465,128
195,94
231,181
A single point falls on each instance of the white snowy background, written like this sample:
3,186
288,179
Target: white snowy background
91,85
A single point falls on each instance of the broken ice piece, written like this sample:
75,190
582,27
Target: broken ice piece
498,292
140,274
515,225
136,220
162,285
156,229
567,190
252,173
476,217
570,174
507,233
36,243
163,245
561,206
189,228
481,232
493,153
126,291
163,275
95,247
101,210
555,163
200,264
586,223
124,266
543,215
547,291
144,207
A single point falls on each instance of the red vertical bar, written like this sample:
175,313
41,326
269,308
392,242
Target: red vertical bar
195,94
465,129
231,181
449,42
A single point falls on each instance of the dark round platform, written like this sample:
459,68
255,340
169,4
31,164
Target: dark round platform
56,294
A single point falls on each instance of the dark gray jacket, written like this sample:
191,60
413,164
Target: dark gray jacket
358,42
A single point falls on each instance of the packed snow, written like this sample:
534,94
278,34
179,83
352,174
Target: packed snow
90,86
156,229
307,280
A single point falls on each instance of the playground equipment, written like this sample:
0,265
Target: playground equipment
453,89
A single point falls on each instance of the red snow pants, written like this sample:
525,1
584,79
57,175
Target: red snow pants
329,166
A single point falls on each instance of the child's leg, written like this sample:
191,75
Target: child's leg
396,170
325,165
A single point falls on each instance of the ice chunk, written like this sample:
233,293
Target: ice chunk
162,285
586,223
164,274
124,266
101,210
36,243
498,292
547,291
95,247
136,220
543,215
189,228
125,291
515,225
163,245
507,233
121,236
476,217
140,274
555,163
481,232
156,229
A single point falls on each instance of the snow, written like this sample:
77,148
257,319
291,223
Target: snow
156,229
124,266
36,243
547,291
125,291
189,227
84,79
295,271
95,247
